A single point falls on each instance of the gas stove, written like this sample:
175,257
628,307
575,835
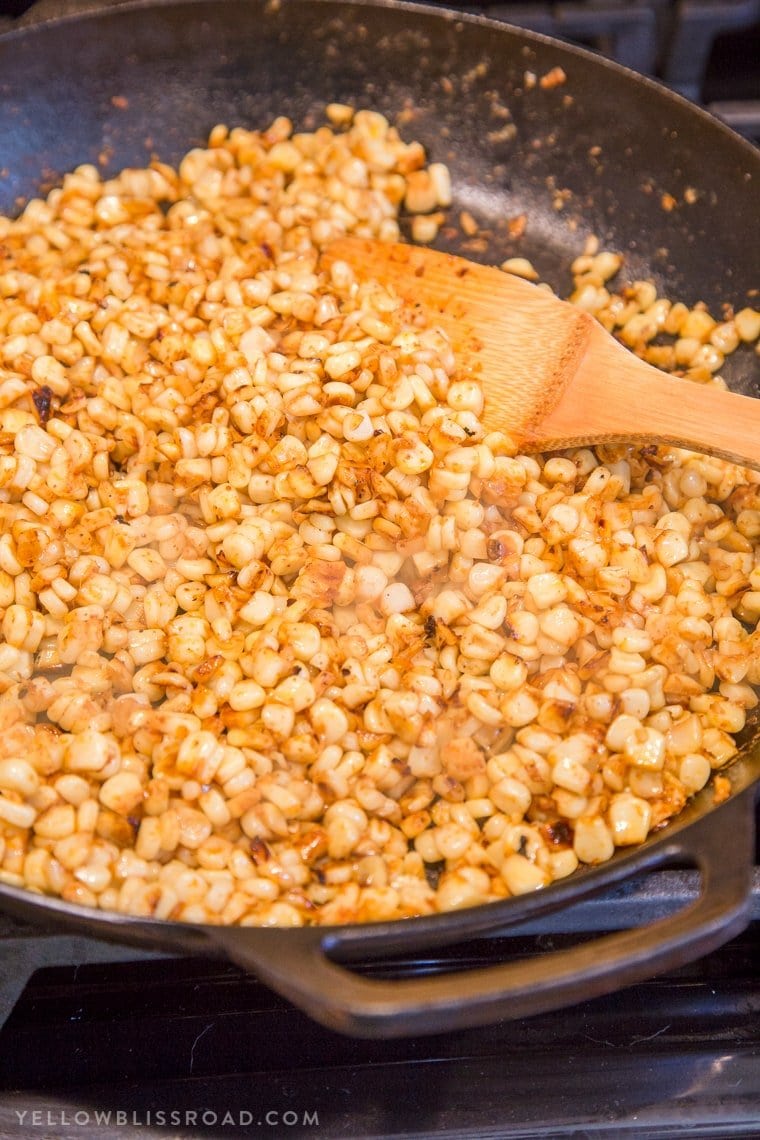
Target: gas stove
104,1040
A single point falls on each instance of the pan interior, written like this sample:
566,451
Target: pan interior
574,164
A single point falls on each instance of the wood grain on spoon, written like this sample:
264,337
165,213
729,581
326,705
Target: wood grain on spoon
552,376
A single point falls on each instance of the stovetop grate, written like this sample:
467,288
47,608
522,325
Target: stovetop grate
200,1047
147,1039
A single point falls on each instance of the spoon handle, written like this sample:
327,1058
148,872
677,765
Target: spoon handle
615,396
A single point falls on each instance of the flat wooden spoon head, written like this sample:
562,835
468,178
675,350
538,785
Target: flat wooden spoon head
551,375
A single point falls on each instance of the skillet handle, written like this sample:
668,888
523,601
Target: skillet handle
298,967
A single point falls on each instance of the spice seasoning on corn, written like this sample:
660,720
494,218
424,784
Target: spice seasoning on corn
285,636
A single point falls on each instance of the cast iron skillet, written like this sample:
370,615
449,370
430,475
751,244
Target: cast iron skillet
120,86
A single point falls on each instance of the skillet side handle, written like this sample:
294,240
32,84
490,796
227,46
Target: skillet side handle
722,846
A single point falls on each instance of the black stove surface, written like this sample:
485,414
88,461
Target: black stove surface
196,1048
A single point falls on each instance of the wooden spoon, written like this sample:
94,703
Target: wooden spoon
552,376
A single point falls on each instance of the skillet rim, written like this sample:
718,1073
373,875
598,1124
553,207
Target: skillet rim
744,771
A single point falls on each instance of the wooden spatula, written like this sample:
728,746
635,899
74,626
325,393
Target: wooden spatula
552,376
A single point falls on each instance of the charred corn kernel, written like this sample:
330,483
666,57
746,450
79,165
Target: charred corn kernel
546,590
57,822
485,712
629,819
396,598
508,672
34,443
16,814
520,267
645,747
302,638
73,789
246,695
518,708
592,840
465,395
146,646
522,876
694,771
698,324
464,887
200,755
621,729
91,751
635,703
17,775
278,718
23,628
747,324
569,773
511,797
328,720
122,793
